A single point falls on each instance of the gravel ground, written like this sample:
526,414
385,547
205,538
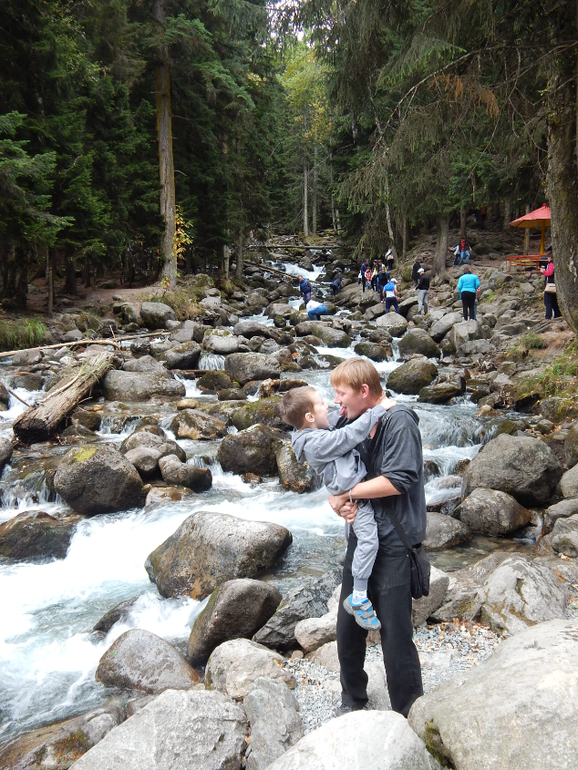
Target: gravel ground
445,650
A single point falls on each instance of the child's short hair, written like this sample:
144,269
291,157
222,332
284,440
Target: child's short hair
295,405
355,372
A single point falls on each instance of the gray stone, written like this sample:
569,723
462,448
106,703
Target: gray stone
312,633
34,534
569,483
145,460
387,741
156,314
441,327
293,475
245,367
183,356
249,329
97,479
189,330
6,450
275,722
412,376
178,730
221,341
158,441
139,660
26,357
440,393
265,411
564,536
376,351
209,548
236,609
119,612
251,451
74,335
521,466
126,312
444,532
394,323
418,341
333,338
515,711
375,311
141,386
424,608
476,348
4,397
182,474
493,513
196,425
562,510
235,665
326,656
571,446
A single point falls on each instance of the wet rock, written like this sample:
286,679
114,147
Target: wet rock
141,386
276,724
375,311
27,380
521,466
425,607
394,323
213,381
155,315
249,329
180,730
569,482
478,713
265,411
374,350
87,418
4,397
388,743
236,609
6,450
491,512
139,660
120,612
562,510
440,393
126,313
333,338
159,495
145,437
196,425
570,446
34,534
444,532
97,479
189,330
564,537
418,341
182,474
441,327
145,460
210,548
144,364
184,356
245,367
231,394
59,745
293,475
412,376
235,665
221,341
251,451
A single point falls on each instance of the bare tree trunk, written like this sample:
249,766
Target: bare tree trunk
226,259
527,235
305,200
439,263
404,237
314,191
50,280
463,223
507,213
165,140
387,211
69,274
240,255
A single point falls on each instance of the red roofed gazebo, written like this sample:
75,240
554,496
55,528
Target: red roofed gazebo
540,218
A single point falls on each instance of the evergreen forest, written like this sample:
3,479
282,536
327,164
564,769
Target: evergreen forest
151,138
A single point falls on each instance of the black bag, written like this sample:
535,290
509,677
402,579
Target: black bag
419,563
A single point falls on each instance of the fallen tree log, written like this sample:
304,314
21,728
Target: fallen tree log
43,419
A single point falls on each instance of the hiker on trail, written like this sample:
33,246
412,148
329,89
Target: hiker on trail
422,292
304,289
468,286
390,260
391,295
336,286
464,251
382,279
415,271
550,296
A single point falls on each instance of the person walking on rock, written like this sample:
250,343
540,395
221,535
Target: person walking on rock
550,296
395,485
422,292
391,295
415,271
304,289
315,310
468,286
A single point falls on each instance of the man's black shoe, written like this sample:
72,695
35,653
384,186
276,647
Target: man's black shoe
346,708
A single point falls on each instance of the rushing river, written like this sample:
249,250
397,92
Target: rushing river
48,654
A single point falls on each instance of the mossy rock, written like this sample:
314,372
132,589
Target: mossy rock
213,381
265,411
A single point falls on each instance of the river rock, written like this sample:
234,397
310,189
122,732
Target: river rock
236,609
388,744
441,327
141,386
235,665
293,475
182,474
463,332
333,338
515,711
126,312
440,393
183,356
145,460
59,745
35,534
250,329
491,512
251,451
120,611
144,437
6,450
265,411
275,722
418,341
210,548
139,660
569,483
562,510
374,350
155,315
375,311
299,604
444,532
97,479
521,466
423,608
180,730
570,446
196,425
521,593
28,380
313,633
394,323
213,381
4,397
412,376
221,341
144,364
564,537
245,367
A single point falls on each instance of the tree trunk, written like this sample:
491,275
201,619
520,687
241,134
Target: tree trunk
387,211
165,140
439,263
563,183
305,200
15,284
39,422
69,274
240,256
507,213
527,235
463,223
404,237
314,191
50,280
226,259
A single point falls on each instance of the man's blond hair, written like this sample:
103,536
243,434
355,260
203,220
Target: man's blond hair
355,372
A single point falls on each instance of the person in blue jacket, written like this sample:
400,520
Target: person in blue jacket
304,289
468,286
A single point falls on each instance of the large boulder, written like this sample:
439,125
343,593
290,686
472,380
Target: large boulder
137,386
376,351
441,327
139,660
515,711
97,479
250,329
394,323
493,513
236,609
6,450
180,730
569,483
145,438
361,740
440,393
35,534
194,424
251,451
333,338
221,341
564,537
235,665
210,548
245,367
521,466
144,364
183,356
293,475
155,315
265,411
570,446
444,532
182,474
418,341
412,376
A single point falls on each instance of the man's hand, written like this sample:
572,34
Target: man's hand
343,508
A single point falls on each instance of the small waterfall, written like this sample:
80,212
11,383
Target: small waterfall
211,361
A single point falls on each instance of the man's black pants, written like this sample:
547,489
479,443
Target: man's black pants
389,591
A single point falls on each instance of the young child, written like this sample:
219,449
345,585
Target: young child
332,454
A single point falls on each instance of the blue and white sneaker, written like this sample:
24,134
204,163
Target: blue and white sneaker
363,613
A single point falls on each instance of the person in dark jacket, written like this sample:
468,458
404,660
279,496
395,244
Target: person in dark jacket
336,286
415,271
382,279
304,289
550,297
422,292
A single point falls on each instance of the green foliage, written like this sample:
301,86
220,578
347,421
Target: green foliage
558,379
18,335
183,302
